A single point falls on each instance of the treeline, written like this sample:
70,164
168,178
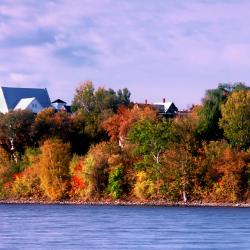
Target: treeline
109,148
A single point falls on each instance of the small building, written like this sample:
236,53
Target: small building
166,108
58,104
34,99
61,105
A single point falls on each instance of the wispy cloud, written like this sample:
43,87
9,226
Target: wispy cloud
164,47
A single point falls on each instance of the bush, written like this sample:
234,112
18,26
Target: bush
115,183
144,188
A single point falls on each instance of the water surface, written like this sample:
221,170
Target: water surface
121,227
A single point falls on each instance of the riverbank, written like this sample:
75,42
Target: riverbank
125,203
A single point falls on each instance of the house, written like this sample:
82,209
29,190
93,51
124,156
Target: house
163,108
166,108
30,104
34,99
60,105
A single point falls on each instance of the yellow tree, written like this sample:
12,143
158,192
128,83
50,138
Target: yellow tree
54,168
236,119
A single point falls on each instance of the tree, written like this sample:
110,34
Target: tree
15,131
119,125
124,97
88,99
84,97
210,112
62,125
151,138
236,119
54,168
97,105
26,182
224,172
180,156
115,183
6,170
96,169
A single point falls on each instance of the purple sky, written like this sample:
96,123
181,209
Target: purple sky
163,48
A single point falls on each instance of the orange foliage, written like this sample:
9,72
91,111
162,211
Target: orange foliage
226,174
77,180
119,124
54,168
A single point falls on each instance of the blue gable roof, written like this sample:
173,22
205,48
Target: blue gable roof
14,95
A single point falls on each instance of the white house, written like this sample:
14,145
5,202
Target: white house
30,104
33,99
58,104
61,105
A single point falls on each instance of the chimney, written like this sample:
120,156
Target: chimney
146,101
163,100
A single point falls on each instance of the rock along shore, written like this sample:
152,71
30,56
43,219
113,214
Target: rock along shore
125,203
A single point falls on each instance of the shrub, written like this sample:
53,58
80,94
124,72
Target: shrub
144,188
115,183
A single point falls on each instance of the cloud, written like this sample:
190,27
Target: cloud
179,48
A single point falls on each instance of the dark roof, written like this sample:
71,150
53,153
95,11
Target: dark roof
14,95
67,108
58,101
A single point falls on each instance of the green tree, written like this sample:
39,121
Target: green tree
97,105
89,99
119,125
84,97
236,119
124,97
151,139
115,183
179,158
210,112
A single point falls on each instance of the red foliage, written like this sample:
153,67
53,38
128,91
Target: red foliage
7,185
77,183
119,124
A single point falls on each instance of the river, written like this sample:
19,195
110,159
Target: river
123,227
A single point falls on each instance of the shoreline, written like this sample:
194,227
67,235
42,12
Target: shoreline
125,203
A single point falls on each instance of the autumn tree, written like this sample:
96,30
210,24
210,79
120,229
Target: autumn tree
77,177
54,168
84,97
26,183
49,123
119,125
96,169
223,173
97,105
210,112
236,119
62,125
6,170
15,129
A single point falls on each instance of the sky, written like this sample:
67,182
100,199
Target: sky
163,48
